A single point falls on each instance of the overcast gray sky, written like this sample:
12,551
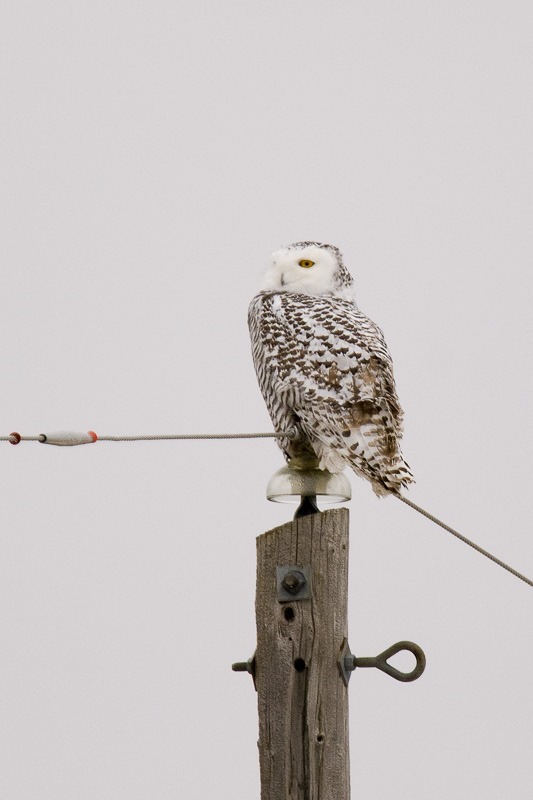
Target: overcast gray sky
153,155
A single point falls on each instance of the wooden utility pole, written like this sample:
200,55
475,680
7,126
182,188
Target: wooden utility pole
303,662
301,614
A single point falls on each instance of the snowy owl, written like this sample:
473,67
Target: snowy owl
324,368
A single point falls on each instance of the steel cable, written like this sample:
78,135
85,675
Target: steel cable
464,539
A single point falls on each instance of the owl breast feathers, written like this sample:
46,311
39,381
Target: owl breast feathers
324,368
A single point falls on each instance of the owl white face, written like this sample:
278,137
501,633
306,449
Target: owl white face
305,270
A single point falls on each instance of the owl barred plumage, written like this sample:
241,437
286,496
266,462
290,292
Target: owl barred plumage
324,368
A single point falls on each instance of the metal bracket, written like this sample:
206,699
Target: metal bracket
348,662
293,582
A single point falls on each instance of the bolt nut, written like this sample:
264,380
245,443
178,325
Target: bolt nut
349,662
294,581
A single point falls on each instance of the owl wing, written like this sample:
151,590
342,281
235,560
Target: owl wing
329,363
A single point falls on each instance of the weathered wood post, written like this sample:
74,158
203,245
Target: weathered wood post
301,615
303,662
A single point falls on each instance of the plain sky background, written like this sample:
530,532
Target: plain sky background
153,155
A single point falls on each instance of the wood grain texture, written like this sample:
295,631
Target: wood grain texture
303,715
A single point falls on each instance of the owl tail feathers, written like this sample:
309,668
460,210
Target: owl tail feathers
396,478
387,475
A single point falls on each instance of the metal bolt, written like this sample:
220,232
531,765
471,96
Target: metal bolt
245,666
241,666
294,581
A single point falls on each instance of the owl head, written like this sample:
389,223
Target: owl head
309,268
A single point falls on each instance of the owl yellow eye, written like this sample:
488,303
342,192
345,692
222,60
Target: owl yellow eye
306,263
